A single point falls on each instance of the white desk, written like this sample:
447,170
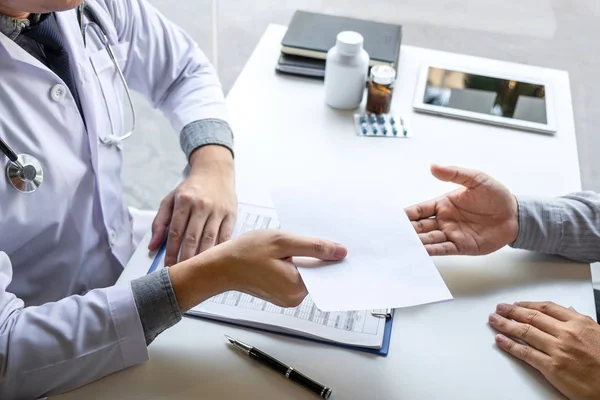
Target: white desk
284,132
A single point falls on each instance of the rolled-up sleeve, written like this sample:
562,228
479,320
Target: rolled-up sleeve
156,303
206,132
568,226
57,347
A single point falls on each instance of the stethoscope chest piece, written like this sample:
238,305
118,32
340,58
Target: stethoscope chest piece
27,176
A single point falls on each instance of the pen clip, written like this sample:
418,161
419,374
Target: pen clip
386,313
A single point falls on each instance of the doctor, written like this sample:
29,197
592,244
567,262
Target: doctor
65,233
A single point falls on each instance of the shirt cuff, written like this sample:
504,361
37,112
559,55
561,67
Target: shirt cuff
206,132
540,226
156,303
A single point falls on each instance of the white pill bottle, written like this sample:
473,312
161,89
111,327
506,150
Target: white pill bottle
346,71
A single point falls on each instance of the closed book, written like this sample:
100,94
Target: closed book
298,65
312,35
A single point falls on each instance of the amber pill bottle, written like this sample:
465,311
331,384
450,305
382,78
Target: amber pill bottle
381,89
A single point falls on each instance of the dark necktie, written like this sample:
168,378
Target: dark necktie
47,34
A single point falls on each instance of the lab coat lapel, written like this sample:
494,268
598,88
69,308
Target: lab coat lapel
12,52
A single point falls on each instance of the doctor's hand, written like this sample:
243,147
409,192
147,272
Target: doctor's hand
559,342
258,263
201,211
479,218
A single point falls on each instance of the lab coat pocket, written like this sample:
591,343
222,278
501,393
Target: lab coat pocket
119,115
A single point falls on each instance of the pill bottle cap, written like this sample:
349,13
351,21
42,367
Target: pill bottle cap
383,74
349,42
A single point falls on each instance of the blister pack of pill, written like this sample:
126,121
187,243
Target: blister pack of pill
381,125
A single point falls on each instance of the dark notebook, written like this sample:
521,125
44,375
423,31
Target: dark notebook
312,35
298,65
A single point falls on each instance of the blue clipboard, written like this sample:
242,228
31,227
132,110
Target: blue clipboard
387,334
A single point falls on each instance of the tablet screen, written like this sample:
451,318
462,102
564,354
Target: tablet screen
486,95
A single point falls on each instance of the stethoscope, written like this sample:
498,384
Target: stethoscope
24,171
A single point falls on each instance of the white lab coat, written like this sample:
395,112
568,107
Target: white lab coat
72,236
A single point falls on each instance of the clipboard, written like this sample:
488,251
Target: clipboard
388,314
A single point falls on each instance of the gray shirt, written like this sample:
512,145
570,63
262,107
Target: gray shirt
568,226
12,28
154,296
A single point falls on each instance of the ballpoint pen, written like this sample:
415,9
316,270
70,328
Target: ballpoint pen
276,365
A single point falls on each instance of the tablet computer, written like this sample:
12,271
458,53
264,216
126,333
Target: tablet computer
492,97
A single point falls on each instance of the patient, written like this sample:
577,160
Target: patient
482,217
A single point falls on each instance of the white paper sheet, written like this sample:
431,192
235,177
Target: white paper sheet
386,267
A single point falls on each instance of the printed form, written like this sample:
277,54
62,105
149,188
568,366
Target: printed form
357,328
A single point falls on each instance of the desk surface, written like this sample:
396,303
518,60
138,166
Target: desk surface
285,133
